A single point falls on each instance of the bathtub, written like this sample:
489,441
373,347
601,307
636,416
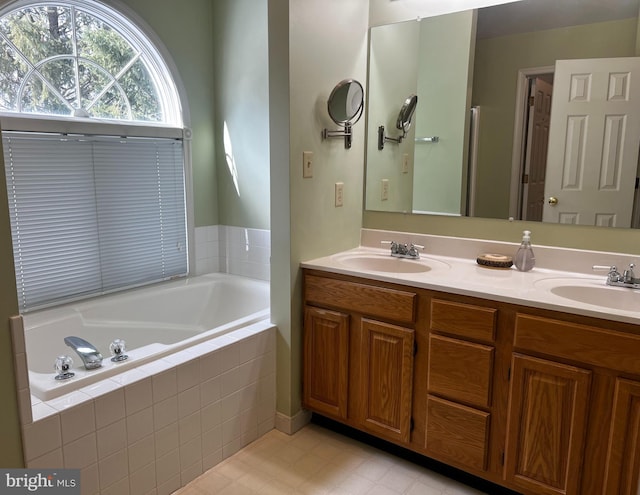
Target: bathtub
154,321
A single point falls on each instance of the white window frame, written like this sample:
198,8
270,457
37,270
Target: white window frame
178,116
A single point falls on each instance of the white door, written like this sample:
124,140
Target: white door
594,141
537,144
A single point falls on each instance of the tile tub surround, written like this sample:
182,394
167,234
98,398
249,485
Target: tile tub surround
235,250
162,424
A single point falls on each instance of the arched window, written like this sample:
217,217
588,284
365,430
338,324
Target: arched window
93,152
81,59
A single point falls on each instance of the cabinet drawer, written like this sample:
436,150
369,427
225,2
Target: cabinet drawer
367,299
457,433
463,320
460,370
583,343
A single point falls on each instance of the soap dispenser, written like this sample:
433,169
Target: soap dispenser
525,259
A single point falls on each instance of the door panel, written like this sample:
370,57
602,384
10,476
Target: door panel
546,425
594,141
326,362
387,378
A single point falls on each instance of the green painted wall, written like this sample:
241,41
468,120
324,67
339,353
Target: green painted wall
11,445
325,42
242,103
187,34
392,78
444,82
494,89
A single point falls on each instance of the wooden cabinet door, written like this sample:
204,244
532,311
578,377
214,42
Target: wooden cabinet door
546,425
623,455
326,362
387,370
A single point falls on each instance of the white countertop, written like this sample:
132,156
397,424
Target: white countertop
464,276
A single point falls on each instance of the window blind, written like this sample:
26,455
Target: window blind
93,214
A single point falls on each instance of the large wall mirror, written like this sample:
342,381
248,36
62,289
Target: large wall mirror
491,84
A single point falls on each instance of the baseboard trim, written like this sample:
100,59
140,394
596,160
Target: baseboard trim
291,424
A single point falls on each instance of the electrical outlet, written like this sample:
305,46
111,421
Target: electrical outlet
405,163
339,193
307,164
385,190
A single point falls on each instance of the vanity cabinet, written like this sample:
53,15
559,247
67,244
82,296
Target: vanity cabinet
326,354
459,383
539,401
547,419
574,408
359,354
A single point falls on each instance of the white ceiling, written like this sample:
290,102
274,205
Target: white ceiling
534,15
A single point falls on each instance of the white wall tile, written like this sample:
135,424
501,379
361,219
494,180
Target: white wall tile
169,486
53,458
112,438
210,391
41,411
191,472
109,408
139,425
24,406
113,468
90,480
165,412
81,453
77,422
138,396
167,439
165,385
211,416
142,453
188,375
210,460
20,368
143,480
42,436
212,441
16,324
118,488
210,365
190,453
189,428
167,467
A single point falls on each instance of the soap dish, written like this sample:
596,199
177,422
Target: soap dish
492,260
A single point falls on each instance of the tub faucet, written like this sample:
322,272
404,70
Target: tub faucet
90,356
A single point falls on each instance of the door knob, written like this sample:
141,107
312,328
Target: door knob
553,201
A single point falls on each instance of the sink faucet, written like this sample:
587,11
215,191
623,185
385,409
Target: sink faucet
90,356
403,250
626,279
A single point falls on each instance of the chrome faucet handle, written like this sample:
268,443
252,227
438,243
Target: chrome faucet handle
392,244
413,250
628,275
613,275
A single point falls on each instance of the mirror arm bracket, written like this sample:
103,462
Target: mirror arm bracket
383,139
346,133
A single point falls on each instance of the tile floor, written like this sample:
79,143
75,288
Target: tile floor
319,461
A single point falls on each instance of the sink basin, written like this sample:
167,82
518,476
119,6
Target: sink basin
594,292
388,264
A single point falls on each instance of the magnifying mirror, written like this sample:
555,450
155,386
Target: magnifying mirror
403,123
345,106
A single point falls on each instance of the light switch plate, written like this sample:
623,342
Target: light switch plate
384,195
405,163
339,193
307,164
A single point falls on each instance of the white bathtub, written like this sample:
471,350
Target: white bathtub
154,321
